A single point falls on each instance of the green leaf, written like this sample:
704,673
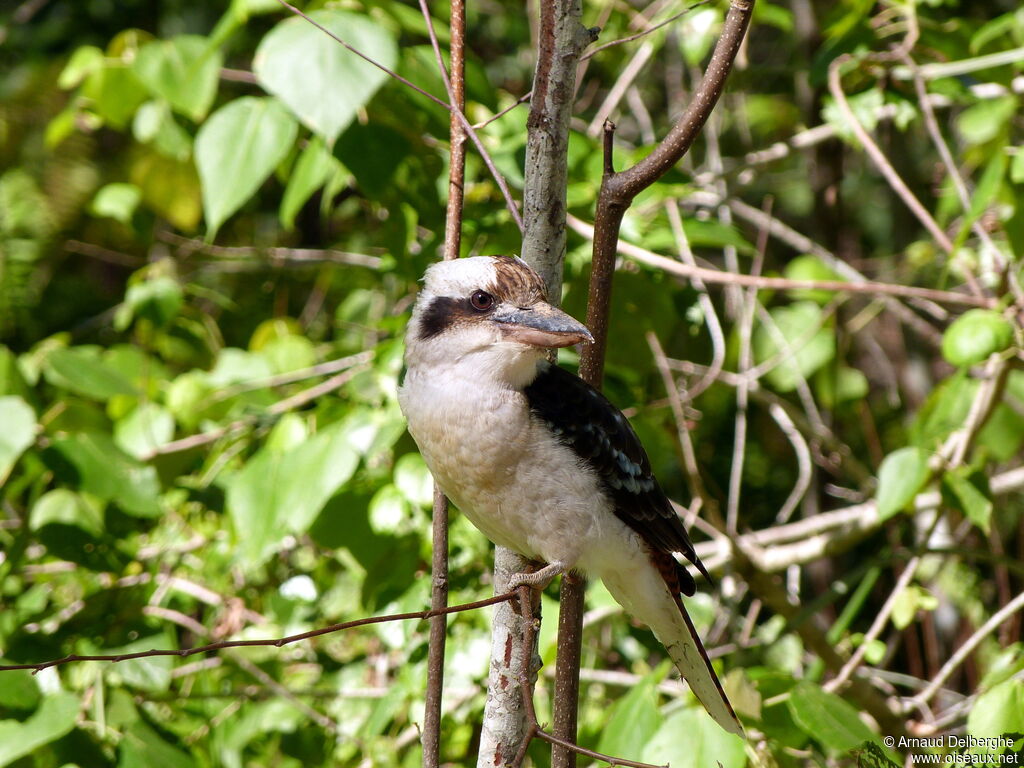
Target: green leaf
908,602
146,673
811,349
308,175
827,719
901,476
870,755
144,430
689,738
237,148
944,410
810,267
55,717
373,154
388,511
158,300
81,371
1003,433
281,493
288,353
986,119
321,81
414,480
142,747
100,468
974,503
633,720
865,107
66,507
118,201
84,61
155,124
114,93
20,690
169,187
840,384
975,335
998,710
17,434
184,70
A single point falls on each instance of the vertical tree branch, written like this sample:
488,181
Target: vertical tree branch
561,40
456,85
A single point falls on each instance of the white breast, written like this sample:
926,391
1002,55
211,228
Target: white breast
506,471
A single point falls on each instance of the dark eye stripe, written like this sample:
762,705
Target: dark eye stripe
439,315
445,311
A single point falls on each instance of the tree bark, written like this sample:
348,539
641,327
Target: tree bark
561,40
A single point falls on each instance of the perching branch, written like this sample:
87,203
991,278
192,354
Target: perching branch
533,728
561,40
455,85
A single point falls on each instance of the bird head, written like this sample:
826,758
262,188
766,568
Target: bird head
492,309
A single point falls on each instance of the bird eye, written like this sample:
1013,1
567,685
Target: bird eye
481,301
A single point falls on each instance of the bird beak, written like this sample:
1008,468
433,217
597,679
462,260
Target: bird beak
541,325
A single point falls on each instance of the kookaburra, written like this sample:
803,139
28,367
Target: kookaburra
538,460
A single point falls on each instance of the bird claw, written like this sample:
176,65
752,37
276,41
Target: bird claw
537,579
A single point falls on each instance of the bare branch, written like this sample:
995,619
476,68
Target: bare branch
780,283
276,643
969,645
880,160
455,84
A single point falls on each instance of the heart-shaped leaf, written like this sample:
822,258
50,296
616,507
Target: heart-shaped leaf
184,71
324,83
236,150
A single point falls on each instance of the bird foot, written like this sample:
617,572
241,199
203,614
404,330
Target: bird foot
538,579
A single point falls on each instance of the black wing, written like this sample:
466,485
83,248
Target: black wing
586,421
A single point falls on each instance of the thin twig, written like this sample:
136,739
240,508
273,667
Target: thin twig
276,643
879,159
653,28
783,284
707,306
534,730
803,461
965,649
694,480
281,406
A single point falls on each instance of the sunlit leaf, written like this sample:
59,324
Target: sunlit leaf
118,201
900,477
55,717
632,720
183,70
799,341
84,373
322,82
99,467
975,335
66,508
689,738
17,434
278,493
828,719
236,149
